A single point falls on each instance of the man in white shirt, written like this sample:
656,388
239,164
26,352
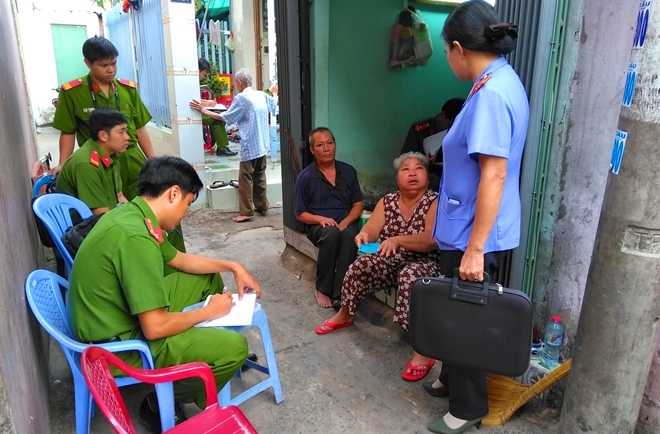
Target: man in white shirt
249,109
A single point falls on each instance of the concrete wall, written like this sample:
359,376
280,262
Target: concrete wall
35,19
24,382
242,27
162,140
597,50
369,106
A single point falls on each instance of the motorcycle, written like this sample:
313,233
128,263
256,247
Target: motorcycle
54,100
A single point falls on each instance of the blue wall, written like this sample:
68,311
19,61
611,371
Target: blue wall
369,106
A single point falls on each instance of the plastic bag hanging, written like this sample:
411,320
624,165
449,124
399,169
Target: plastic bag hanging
410,40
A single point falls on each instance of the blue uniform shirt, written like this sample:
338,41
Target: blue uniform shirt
493,122
315,195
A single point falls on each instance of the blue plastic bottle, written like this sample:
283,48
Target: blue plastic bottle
554,335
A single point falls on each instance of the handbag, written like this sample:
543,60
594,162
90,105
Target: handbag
478,325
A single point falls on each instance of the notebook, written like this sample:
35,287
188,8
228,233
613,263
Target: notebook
434,142
240,314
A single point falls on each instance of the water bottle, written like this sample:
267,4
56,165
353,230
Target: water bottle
554,335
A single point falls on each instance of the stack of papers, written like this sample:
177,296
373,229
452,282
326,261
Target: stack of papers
240,314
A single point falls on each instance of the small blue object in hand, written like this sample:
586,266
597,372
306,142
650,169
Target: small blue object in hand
369,248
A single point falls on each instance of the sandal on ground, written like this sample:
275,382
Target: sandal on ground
408,375
233,183
329,327
218,184
440,426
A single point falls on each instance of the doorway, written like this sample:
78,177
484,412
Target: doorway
68,63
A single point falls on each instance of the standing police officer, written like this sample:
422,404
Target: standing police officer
80,97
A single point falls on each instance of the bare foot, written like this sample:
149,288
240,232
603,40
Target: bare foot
323,300
242,218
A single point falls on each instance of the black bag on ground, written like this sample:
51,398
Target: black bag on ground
475,325
74,236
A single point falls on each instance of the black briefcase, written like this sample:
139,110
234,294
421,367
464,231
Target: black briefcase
475,325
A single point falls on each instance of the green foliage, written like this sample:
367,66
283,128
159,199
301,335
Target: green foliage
104,3
217,86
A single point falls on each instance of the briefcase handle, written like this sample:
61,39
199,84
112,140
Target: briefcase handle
471,292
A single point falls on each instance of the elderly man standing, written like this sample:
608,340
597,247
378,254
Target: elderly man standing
329,202
249,110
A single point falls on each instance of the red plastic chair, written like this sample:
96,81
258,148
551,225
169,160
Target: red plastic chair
95,363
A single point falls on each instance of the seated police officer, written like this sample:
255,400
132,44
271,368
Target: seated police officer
92,174
118,292
426,136
329,202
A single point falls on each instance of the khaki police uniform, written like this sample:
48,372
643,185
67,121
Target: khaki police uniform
118,274
80,97
95,178
415,143
91,176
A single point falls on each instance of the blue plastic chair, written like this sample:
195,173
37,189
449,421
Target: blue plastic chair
43,295
260,321
53,210
47,179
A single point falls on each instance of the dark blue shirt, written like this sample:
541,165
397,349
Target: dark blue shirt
315,194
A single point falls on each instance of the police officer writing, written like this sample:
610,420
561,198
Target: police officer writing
426,137
479,210
118,291
80,97
92,174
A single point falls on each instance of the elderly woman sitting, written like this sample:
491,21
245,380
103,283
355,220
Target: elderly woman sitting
404,222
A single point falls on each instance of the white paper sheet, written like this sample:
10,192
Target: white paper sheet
240,314
434,142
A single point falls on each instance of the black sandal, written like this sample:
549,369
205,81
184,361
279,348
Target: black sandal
233,183
218,184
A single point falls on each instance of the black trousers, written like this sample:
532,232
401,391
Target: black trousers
337,251
468,396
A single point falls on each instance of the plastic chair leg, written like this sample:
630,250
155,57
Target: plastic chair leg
83,405
259,320
269,351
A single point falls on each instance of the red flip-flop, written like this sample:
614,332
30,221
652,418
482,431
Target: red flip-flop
331,326
408,375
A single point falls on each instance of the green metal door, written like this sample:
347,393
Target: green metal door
67,44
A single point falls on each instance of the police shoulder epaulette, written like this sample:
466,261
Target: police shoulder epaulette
422,126
128,83
71,84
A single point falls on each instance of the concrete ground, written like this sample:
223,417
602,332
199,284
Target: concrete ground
348,381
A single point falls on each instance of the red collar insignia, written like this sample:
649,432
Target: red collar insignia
95,88
479,85
106,161
421,127
94,160
156,233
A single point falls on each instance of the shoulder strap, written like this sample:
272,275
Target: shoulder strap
71,84
128,83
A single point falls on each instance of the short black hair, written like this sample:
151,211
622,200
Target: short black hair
318,130
471,25
452,107
99,48
203,65
161,173
104,119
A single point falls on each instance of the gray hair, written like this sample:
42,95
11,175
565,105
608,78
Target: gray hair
244,76
398,161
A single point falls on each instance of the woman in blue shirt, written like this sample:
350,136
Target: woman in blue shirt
478,218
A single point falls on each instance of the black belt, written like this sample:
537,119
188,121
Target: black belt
107,341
